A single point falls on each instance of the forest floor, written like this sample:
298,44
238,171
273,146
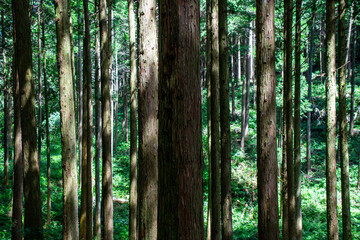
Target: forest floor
244,194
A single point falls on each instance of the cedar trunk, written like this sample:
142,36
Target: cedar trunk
268,217
331,198
68,134
180,180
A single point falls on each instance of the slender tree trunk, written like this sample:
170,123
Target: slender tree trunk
268,217
297,132
16,225
232,79
116,93
48,162
97,230
80,110
125,109
343,142
309,80
107,193
351,71
226,212
180,180
331,198
148,121
39,10
215,140
23,56
133,128
251,76
243,96
68,134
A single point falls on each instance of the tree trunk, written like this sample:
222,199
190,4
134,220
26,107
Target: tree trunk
331,198
352,72
288,119
68,135
125,109
116,93
48,162
80,110
343,142
23,56
16,225
180,180
232,79
148,121
39,10
107,193
268,218
133,128
226,212
215,140
243,95
97,230
297,130
309,80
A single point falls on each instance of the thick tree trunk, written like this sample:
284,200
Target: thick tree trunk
268,217
309,80
215,134
180,180
133,127
16,225
343,142
148,121
288,119
68,134
97,230
107,193
331,198
226,212
23,56
297,132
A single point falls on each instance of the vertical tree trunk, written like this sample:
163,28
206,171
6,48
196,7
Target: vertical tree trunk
133,128
297,132
331,198
309,80
48,169
80,110
215,140
116,93
125,109
180,180
97,230
16,225
39,10
243,94
107,193
268,218
68,135
232,79
148,121
251,76
23,56
352,73
226,212
343,142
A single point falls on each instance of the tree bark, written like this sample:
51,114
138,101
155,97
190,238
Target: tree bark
80,110
343,142
16,225
331,198
68,134
133,127
39,10
125,108
23,55
148,121
107,193
180,180
268,218
97,230
352,75
297,130
116,93
226,212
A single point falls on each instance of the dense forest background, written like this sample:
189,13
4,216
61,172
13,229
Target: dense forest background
243,124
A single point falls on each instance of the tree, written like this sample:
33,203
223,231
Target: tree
18,187
343,142
226,210
107,193
289,232
39,11
297,130
331,199
68,134
180,180
133,129
23,55
148,120
268,219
